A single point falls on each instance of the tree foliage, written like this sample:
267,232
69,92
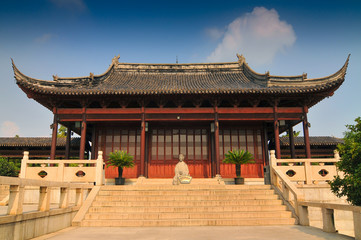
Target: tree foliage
8,169
238,157
349,184
295,133
62,131
120,159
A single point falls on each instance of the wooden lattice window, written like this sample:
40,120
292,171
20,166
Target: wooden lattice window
246,139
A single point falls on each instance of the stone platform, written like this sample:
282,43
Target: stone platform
196,233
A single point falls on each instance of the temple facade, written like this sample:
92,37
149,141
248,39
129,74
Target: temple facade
157,111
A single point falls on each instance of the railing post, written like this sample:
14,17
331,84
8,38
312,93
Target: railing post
285,192
303,215
24,163
44,199
357,224
16,200
273,163
78,196
60,176
99,169
308,171
64,197
328,220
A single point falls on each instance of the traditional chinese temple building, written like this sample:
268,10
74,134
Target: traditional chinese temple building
157,111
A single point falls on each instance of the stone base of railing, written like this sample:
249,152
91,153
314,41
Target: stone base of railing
35,224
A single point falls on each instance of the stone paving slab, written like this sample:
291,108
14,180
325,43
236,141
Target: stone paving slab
195,233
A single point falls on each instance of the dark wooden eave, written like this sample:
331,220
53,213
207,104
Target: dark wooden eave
155,79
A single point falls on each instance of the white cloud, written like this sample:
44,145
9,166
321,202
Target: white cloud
258,35
214,33
44,38
72,5
9,129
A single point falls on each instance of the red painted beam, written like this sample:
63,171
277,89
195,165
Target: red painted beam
306,133
142,146
178,110
54,135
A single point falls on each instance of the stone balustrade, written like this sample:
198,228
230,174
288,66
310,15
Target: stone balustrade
328,218
23,221
91,171
306,171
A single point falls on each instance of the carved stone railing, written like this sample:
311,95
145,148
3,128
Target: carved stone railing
287,190
90,171
307,171
17,190
20,220
328,218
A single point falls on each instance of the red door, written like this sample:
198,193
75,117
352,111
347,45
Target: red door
167,143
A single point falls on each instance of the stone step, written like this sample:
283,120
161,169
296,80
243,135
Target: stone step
189,222
185,193
205,215
131,198
184,187
245,208
188,203
169,181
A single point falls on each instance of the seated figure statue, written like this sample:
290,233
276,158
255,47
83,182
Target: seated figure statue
181,172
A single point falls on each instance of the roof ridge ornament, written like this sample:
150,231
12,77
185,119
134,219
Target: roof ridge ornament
55,77
115,60
304,76
241,59
91,76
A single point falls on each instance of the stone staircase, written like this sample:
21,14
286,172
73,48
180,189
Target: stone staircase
205,204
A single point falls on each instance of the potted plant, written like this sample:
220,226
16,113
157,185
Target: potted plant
238,157
120,159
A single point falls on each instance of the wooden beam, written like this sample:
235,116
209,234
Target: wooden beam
142,145
68,142
306,133
83,136
54,135
229,110
277,133
292,141
216,141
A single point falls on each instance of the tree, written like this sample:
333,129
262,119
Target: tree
120,159
295,134
62,131
7,169
349,184
238,157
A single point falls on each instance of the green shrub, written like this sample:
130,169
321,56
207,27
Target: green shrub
8,169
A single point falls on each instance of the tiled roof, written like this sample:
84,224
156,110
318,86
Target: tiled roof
318,140
207,78
35,142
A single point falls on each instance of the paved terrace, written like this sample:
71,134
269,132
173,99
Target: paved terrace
197,233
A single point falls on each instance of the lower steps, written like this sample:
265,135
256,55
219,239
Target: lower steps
187,205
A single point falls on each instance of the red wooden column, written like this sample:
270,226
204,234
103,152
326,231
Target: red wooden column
93,144
277,133
54,134
216,141
142,145
292,141
306,133
83,135
67,144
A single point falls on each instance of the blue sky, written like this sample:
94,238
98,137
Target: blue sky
75,37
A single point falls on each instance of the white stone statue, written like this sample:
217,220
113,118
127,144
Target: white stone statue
181,172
